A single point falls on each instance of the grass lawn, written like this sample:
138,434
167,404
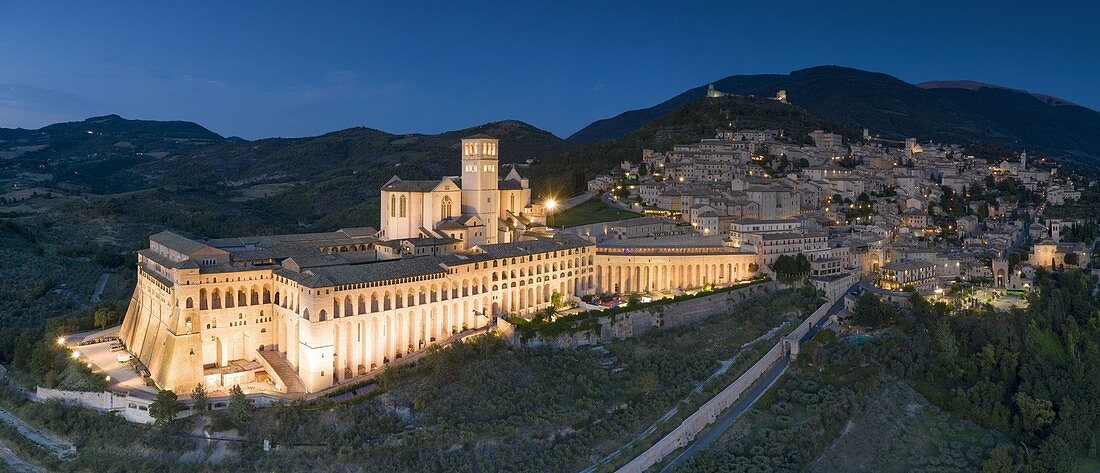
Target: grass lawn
592,211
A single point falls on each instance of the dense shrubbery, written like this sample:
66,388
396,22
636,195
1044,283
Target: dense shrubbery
1030,375
1033,374
797,421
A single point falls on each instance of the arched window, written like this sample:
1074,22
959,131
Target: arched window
393,206
403,208
445,208
512,205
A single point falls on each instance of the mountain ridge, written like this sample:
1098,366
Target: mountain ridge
892,107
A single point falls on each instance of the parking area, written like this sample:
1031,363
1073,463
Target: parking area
103,360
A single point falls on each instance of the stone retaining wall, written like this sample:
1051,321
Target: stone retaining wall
683,434
639,322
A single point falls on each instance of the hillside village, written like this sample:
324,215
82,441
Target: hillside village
896,214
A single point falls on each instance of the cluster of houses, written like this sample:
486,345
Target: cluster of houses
896,213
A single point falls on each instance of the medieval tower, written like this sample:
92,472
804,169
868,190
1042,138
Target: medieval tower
480,184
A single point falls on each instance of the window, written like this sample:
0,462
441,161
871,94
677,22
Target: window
404,208
393,206
445,208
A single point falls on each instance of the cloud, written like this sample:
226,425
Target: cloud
599,87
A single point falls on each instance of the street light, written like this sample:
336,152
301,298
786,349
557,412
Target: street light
60,341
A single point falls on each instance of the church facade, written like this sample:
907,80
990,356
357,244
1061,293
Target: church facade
477,208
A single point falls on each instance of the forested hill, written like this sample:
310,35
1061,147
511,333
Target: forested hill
111,154
344,152
689,123
894,108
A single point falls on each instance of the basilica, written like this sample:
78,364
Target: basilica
299,314
480,207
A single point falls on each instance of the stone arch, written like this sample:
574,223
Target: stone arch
189,303
361,303
267,294
321,316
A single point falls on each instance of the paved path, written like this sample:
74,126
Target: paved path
63,449
99,285
725,365
286,373
748,399
615,203
743,404
18,463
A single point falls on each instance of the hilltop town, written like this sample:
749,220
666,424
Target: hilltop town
896,215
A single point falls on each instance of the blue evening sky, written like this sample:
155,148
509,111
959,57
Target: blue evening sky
261,69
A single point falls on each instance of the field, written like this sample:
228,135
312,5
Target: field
592,211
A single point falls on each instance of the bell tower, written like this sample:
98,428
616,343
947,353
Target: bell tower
480,184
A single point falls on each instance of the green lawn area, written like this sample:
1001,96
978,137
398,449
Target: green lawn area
592,211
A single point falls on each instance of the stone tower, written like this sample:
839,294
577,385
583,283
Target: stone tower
1001,272
480,184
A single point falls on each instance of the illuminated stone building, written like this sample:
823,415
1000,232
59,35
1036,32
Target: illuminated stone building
301,313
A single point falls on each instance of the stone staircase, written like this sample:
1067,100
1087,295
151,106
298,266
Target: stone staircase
279,367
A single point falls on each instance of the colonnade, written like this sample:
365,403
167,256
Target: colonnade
633,276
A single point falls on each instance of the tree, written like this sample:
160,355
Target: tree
815,345
557,301
1035,414
240,407
103,317
1071,259
164,407
198,395
998,462
870,311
